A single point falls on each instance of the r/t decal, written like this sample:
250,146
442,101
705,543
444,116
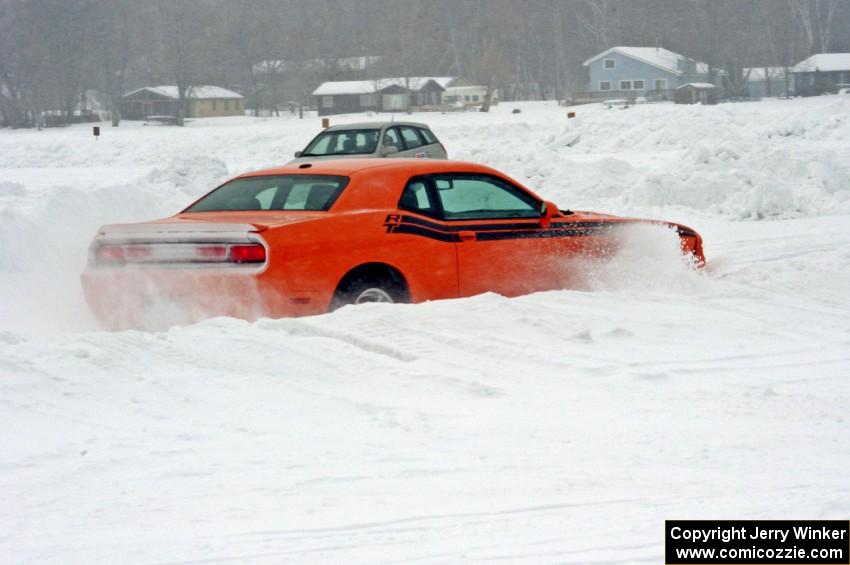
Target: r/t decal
392,221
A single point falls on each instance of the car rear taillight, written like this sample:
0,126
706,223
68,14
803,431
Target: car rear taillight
251,253
211,252
137,252
110,254
179,253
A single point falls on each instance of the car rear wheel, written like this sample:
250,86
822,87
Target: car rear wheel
385,287
373,294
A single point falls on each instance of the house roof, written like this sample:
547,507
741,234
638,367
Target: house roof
824,62
698,85
656,56
372,86
759,73
199,92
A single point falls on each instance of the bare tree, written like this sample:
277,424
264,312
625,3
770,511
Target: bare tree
112,41
816,17
179,30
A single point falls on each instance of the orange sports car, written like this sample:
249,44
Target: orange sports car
308,237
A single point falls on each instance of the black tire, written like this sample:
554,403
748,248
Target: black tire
360,290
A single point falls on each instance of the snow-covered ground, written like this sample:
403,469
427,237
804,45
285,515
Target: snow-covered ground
557,427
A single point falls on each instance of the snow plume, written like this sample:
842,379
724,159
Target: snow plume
647,258
45,232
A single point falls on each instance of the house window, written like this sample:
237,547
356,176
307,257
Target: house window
625,85
368,100
475,98
227,104
609,64
467,98
327,101
637,84
661,84
605,85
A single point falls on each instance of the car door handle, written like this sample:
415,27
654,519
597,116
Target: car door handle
467,235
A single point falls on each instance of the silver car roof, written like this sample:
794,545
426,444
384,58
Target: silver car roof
375,125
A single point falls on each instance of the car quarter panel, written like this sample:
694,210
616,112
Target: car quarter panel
313,257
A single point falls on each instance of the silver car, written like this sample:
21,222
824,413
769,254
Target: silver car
373,139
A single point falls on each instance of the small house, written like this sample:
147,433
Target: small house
379,95
629,72
824,72
201,102
765,81
280,83
696,93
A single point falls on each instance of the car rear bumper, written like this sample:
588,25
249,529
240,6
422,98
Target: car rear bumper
154,298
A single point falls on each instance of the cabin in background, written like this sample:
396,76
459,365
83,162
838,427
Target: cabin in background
201,102
824,72
380,95
766,81
696,93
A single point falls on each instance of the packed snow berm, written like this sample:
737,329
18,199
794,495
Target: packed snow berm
557,427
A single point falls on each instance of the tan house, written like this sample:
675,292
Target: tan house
202,101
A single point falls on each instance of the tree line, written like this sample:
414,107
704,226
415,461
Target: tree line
61,56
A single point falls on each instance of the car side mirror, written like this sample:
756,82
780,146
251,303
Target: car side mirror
298,153
389,150
548,210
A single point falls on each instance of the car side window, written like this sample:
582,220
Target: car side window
416,198
471,197
391,138
410,137
428,136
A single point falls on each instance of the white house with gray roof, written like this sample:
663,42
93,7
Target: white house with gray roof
822,72
628,72
382,94
766,81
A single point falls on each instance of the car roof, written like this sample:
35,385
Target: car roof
348,167
375,125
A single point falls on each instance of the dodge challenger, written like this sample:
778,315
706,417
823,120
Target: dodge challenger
307,238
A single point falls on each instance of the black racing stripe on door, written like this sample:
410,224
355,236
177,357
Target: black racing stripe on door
473,227
425,232
532,225
538,234
494,232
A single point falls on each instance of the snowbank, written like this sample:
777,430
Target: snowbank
771,159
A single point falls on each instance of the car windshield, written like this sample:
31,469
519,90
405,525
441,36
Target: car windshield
278,192
343,142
